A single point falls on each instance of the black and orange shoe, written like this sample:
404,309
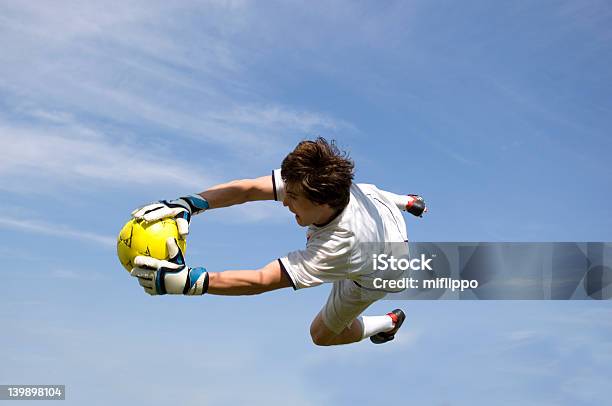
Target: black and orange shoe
416,206
398,318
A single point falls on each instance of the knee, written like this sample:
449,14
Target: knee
319,340
319,335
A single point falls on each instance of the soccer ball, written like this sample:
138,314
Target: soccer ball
138,237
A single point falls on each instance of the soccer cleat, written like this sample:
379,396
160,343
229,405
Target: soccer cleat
398,318
416,205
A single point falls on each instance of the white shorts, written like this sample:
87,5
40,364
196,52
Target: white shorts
346,302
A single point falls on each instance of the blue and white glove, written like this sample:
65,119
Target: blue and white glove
180,210
171,276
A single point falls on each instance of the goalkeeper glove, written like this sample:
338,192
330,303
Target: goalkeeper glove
180,210
171,276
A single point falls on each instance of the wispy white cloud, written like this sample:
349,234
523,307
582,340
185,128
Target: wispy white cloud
462,158
73,154
77,275
128,349
274,115
107,61
254,212
60,154
522,335
42,227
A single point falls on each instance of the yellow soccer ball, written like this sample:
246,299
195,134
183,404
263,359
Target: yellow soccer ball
138,237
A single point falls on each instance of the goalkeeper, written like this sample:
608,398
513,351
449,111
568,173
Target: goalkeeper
315,183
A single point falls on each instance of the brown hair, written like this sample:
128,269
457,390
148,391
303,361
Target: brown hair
322,172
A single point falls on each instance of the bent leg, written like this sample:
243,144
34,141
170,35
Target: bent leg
322,335
337,323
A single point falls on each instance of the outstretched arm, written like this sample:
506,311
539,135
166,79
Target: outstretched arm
413,204
251,282
173,276
222,195
239,191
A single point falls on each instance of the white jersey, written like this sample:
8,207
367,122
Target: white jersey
344,247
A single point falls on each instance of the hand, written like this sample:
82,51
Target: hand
180,210
171,276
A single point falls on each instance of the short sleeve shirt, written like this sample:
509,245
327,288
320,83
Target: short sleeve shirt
343,248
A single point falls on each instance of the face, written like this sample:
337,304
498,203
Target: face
306,212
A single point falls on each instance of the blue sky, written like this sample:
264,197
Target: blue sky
498,113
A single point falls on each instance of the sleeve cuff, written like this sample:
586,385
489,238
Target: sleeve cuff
274,188
284,270
278,185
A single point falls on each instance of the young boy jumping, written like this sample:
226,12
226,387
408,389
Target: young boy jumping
316,183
